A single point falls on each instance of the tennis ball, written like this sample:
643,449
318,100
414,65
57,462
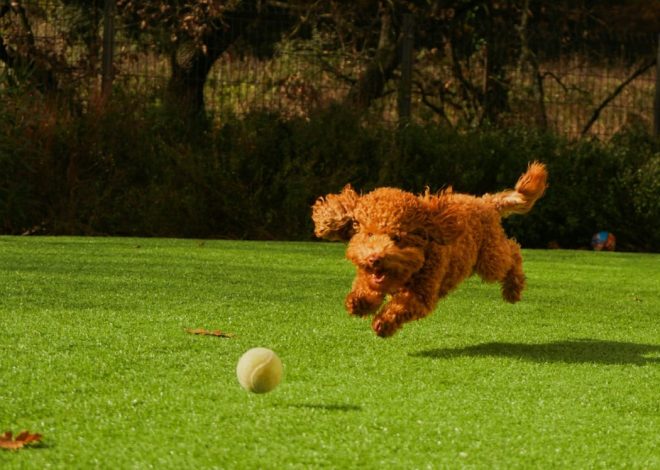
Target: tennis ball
259,370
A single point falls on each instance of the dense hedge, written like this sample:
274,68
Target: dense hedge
131,170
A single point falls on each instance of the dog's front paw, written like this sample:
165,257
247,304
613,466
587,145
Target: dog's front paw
383,326
360,305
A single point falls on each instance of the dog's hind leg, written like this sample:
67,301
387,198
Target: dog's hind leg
500,261
514,280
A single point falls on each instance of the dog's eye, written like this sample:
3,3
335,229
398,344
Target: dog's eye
356,226
396,238
419,234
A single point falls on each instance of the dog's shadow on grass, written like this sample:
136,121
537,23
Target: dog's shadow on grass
582,351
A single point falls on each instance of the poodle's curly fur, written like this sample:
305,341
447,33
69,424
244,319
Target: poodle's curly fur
417,248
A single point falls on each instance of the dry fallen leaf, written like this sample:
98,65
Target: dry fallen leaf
24,438
205,332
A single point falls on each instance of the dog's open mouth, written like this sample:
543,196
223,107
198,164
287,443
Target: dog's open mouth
379,279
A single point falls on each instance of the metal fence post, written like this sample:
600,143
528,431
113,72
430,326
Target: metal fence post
656,106
107,72
406,63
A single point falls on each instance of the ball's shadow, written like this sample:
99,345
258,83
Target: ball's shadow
325,406
587,351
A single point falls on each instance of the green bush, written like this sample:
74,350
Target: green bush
129,168
597,186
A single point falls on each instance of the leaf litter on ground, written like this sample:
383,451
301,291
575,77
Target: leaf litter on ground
24,438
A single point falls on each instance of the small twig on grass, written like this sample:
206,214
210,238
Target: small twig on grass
205,332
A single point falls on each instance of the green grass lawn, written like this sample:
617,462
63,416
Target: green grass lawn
94,356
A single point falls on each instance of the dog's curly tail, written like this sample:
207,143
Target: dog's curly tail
529,188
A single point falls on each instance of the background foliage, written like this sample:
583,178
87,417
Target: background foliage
228,119
131,170
577,67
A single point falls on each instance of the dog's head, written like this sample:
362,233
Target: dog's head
391,231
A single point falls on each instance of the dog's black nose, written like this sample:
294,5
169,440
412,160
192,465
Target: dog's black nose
374,261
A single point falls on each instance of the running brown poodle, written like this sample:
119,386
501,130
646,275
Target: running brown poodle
418,248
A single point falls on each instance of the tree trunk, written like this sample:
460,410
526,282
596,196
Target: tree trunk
371,83
192,61
185,89
496,87
30,66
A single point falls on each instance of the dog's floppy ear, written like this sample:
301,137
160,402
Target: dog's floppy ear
446,221
333,215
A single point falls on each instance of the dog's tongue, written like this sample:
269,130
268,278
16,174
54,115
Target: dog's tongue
377,277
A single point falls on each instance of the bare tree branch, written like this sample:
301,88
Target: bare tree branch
328,67
596,114
439,110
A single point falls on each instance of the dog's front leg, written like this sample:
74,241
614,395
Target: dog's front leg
404,306
362,299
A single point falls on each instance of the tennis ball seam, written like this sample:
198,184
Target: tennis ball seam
256,370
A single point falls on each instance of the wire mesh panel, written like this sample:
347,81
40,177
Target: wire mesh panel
574,84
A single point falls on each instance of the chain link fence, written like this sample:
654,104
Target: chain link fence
598,87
